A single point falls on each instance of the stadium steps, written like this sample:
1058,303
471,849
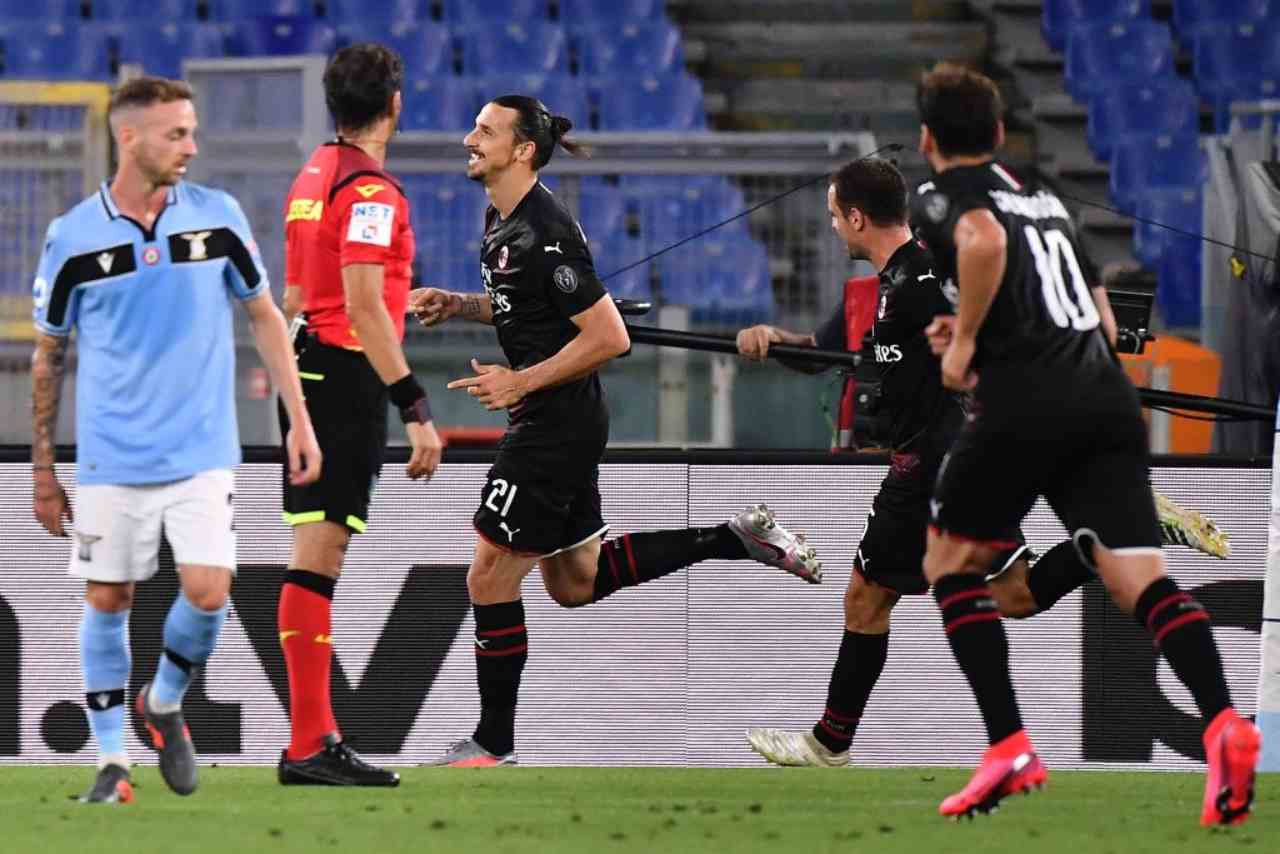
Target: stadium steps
788,64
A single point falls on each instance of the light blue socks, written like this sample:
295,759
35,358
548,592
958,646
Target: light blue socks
190,635
104,661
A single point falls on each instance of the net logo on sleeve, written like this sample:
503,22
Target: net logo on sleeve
371,223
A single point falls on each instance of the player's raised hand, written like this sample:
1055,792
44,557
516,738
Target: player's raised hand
939,333
496,386
427,449
51,505
305,458
957,373
433,306
754,341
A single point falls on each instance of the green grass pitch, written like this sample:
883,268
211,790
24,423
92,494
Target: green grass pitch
622,810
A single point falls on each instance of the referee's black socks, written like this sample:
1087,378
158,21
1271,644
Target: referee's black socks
1180,628
636,558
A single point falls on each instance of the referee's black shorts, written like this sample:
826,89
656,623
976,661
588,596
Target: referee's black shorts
1082,445
347,402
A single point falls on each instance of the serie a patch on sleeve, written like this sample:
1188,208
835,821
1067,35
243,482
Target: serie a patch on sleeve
371,223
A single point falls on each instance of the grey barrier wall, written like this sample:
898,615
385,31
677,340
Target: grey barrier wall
669,673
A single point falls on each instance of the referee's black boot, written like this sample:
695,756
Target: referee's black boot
335,765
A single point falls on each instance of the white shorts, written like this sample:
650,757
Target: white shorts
118,527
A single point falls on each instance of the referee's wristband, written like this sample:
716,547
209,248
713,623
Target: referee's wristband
411,399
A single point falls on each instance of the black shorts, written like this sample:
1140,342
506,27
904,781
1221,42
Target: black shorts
1082,446
347,402
891,552
534,510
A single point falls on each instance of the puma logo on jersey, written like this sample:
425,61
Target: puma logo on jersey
935,507
555,248
511,535
368,191
926,277
483,643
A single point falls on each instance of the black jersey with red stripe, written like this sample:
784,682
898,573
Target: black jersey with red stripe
1043,319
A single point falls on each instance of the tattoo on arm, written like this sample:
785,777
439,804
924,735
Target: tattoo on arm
471,308
48,364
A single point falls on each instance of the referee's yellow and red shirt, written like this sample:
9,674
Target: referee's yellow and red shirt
345,209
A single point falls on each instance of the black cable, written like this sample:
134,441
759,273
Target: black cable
893,146
1216,419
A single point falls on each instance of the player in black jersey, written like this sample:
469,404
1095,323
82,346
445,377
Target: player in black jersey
540,504
906,409
1054,415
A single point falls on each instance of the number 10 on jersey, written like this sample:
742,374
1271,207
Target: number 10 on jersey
1051,251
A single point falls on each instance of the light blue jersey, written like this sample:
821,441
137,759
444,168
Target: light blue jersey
152,310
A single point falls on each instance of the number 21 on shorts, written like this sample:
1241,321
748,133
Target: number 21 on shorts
501,489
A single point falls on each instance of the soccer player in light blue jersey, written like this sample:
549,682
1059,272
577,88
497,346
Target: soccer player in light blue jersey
147,271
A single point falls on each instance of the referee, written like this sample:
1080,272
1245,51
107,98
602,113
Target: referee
147,271
348,251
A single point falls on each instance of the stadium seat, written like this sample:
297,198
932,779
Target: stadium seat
1162,217
238,10
1161,106
69,50
149,11
673,102
449,207
35,10
339,12
630,49
602,209
160,47
516,48
282,36
673,216
1190,16
562,94
439,102
725,281
612,254
493,12
1057,17
1178,283
591,13
1099,56
425,48
1229,92
1142,163
1224,55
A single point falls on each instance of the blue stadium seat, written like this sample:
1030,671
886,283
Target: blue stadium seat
425,48
439,102
1162,217
1057,17
68,50
669,217
35,10
612,254
563,95
630,49
725,281
1178,283
238,10
602,209
282,36
1100,56
160,47
492,12
1224,55
515,48
1142,163
576,13
1249,89
150,11
1190,16
340,12
1161,106
673,102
